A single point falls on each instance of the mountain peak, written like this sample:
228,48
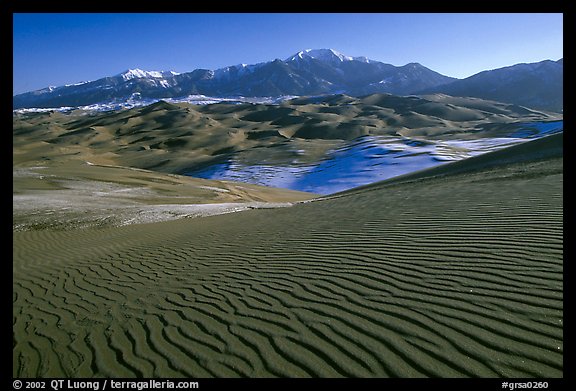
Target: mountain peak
309,72
325,55
329,56
139,74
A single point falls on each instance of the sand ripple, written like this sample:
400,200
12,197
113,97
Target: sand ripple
457,277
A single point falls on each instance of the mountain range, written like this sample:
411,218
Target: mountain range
537,85
311,72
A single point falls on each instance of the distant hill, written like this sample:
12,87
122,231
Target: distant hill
536,85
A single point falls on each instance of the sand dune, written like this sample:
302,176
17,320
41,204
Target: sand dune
317,144
454,275
70,195
180,138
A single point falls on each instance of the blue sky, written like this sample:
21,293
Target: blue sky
58,49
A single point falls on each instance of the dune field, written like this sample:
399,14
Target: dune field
182,138
454,271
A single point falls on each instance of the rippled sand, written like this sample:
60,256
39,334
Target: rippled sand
454,273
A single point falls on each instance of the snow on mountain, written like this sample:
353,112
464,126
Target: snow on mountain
139,74
362,59
45,90
235,71
325,55
306,73
76,84
310,72
329,56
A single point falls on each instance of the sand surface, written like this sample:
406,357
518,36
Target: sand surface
181,138
70,194
453,274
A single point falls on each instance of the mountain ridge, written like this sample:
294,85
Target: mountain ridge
538,85
307,73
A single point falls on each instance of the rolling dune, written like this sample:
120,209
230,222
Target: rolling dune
70,195
451,275
181,138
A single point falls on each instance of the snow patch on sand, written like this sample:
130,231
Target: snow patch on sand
369,159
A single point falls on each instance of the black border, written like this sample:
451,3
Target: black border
9,7
325,384
292,6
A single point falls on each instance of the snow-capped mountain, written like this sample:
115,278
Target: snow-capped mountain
139,74
329,56
308,72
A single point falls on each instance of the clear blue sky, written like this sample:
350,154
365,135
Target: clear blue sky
58,49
